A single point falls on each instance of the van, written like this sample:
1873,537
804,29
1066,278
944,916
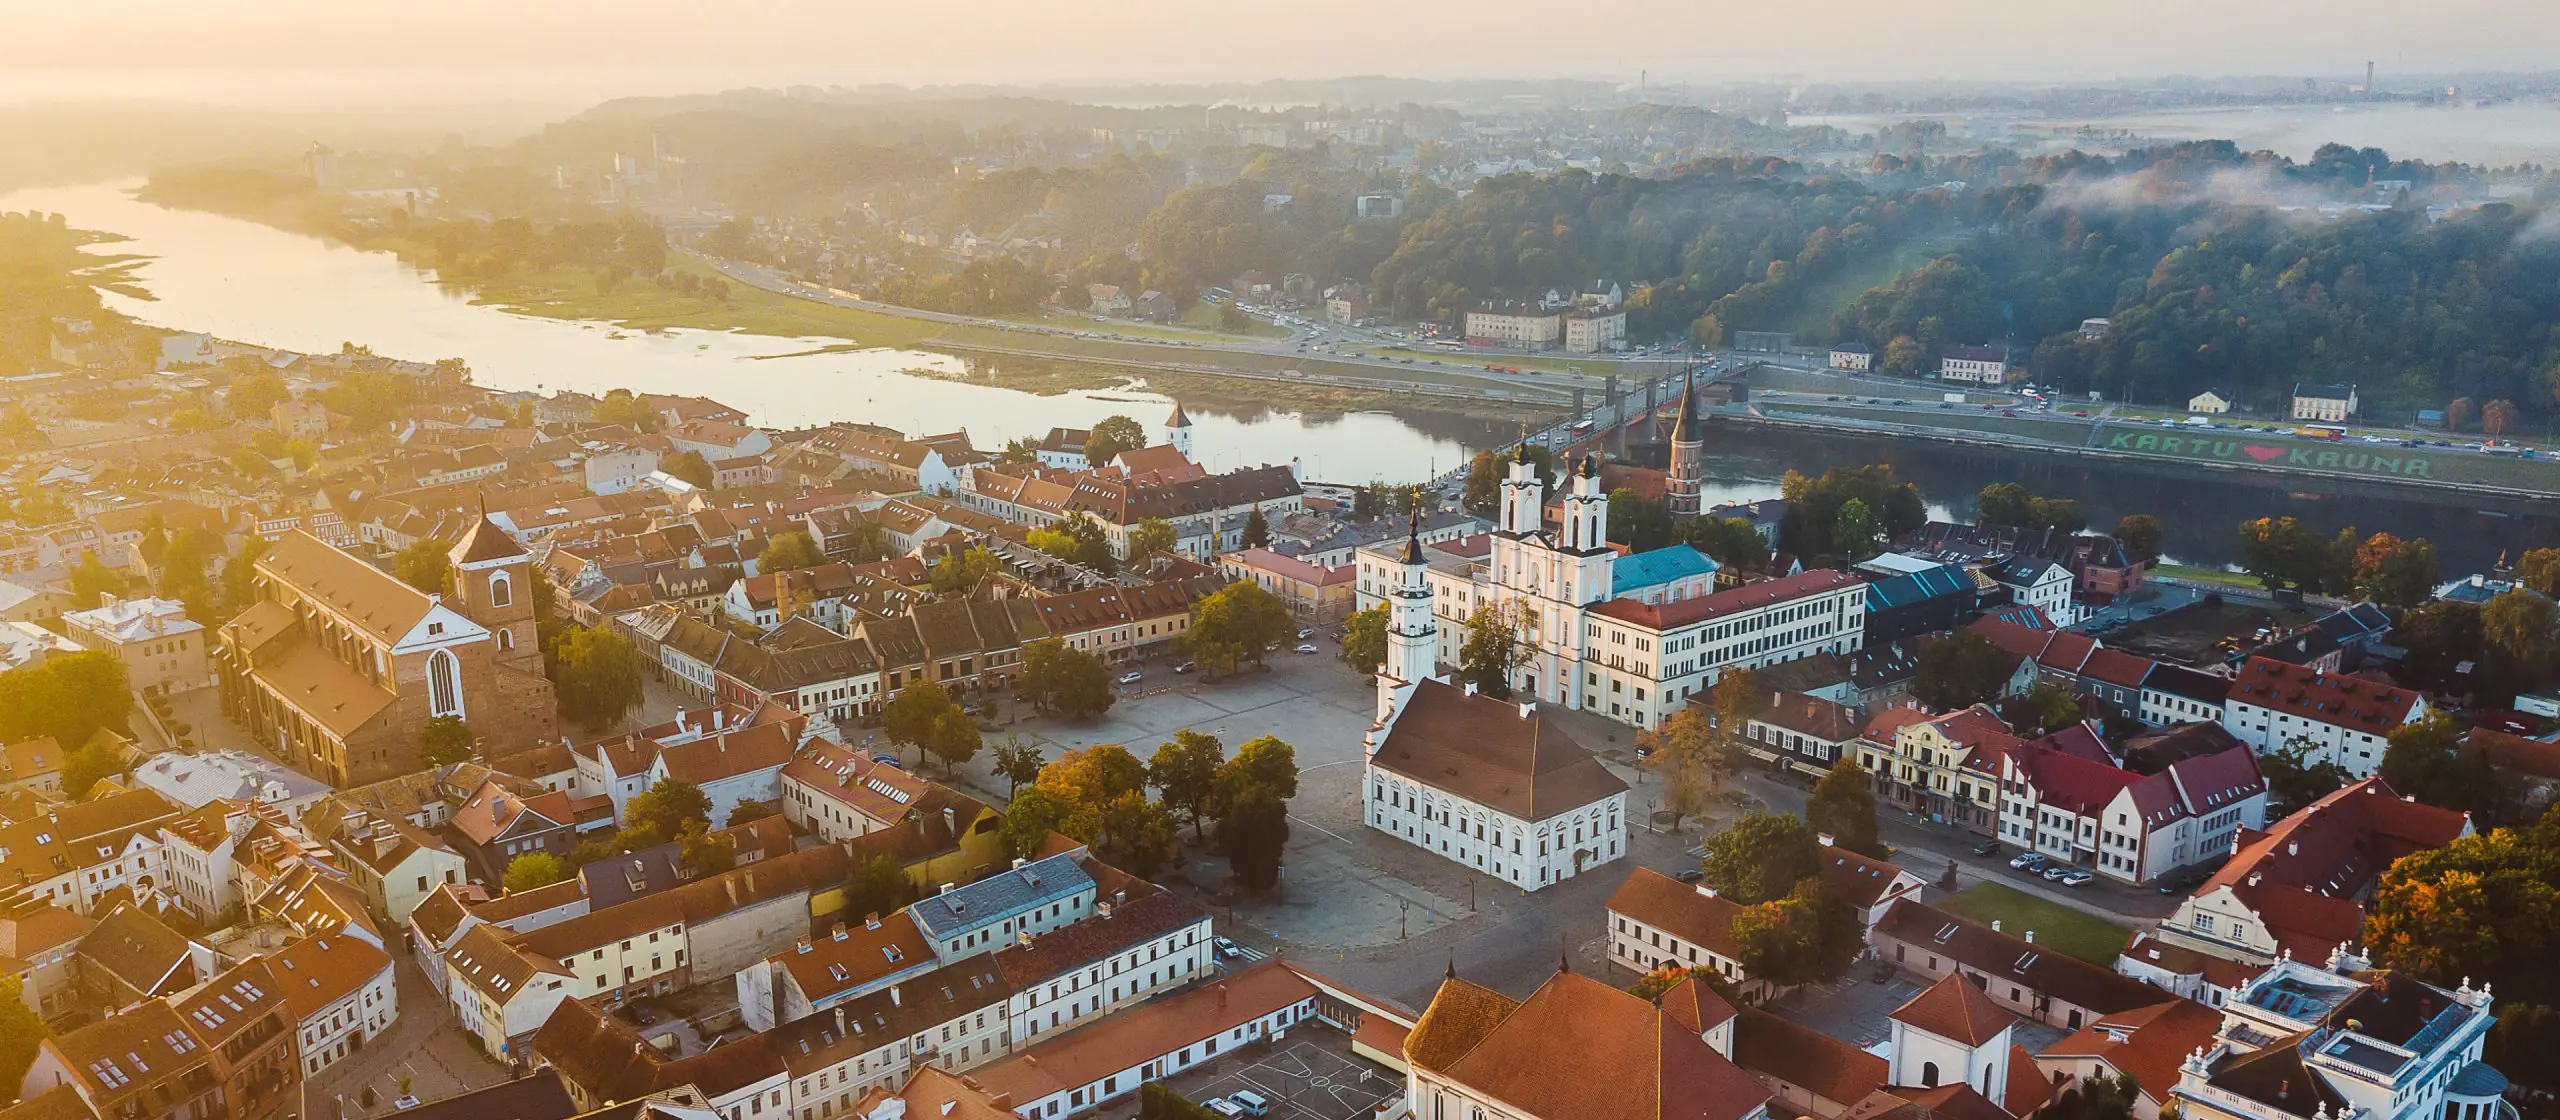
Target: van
1251,1102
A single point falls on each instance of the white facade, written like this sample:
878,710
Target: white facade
2355,750
1535,330
1857,360
612,472
330,1033
1589,332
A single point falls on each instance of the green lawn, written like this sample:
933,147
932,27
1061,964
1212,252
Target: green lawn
2207,575
2091,939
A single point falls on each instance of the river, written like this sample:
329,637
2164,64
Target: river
240,280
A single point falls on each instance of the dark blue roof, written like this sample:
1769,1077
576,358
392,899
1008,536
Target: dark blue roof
1918,587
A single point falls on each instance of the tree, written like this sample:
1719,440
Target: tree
2281,551
1760,857
2519,627
92,581
84,766
910,716
1491,651
2045,709
1486,472
425,565
689,467
1254,831
789,551
2440,637
2539,570
1257,530
1853,532
1364,639
2486,906
1110,437
962,571
1185,774
1093,776
253,396
1077,539
1894,507
1264,762
619,406
2139,533
534,869
877,885
2293,780
1808,937
2457,414
2007,503
1017,763
1234,626
2394,572
1961,670
2426,760
702,852
663,811
749,810
1369,503
1020,451
1640,523
1843,804
1153,535
2099,1097
1129,832
2496,417
955,739
445,740
1065,682
1029,818
1731,541
1681,752
596,675
67,697
22,1031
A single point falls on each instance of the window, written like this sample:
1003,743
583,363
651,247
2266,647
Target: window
501,590
444,684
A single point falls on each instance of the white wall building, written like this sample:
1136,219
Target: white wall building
2331,718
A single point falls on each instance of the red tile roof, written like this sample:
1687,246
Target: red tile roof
2348,702
1956,1008
1681,910
1805,1058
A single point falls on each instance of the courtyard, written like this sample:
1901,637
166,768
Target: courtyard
1312,1075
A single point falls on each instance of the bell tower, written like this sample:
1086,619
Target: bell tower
1413,636
1682,491
493,586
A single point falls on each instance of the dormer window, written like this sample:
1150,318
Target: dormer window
435,628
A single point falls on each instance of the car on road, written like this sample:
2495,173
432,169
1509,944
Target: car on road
1133,676
1306,647
1186,667
2027,862
2074,877
1303,635
1987,848
1227,947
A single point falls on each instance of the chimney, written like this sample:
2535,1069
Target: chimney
1706,890
947,888
951,821
1995,925
1018,861
2293,847
1528,709
2031,937
1471,688
871,920
840,1031
896,1000
1825,838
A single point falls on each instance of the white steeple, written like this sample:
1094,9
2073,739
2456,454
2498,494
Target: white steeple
1523,499
1413,637
1177,430
1586,509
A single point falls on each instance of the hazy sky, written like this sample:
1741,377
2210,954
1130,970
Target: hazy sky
688,44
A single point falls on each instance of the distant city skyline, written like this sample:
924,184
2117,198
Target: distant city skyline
160,48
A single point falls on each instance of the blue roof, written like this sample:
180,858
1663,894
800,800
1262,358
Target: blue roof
1918,587
1658,567
1000,896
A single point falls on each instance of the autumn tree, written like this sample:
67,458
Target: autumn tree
2485,906
1680,752
910,717
2539,570
1364,639
789,551
1185,774
2426,760
1235,627
689,467
2139,534
1492,650
2496,417
534,869
2457,414
964,570
22,1031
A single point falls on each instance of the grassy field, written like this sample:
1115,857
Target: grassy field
2089,938
2206,575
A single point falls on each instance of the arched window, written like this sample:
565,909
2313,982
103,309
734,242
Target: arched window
1928,1075
444,684
506,639
502,592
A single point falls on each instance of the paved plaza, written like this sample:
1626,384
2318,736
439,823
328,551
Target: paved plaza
1310,1076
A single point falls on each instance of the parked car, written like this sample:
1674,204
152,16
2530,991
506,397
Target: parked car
1186,667
2075,877
1133,676
1253,1103
2027,862
1223,1107
2055,873
1306,647
1303,635
1987,848
1691,875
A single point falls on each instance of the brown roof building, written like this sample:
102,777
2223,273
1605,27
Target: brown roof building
1576,1048
1491,784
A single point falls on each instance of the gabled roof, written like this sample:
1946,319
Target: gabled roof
1683,911
1955,1008
2302,875
1578,1047
2348,702
372,599
1502,755
1000,896
1740,600
2146,1043
1806,1058
2000,955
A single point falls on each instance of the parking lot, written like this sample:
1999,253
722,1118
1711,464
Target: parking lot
1311,1076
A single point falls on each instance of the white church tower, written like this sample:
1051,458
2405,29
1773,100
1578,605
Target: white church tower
1177,430
1413,636
1587,557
